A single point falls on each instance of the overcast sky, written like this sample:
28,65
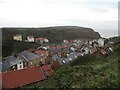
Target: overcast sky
101,15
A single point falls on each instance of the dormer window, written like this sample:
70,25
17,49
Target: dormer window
63,61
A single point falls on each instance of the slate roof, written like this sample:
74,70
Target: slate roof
14,79
72,55
52,50
26,55
65,50
55,57
61,60
10,61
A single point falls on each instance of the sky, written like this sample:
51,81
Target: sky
100,15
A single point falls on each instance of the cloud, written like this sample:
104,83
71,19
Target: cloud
41,12
34,13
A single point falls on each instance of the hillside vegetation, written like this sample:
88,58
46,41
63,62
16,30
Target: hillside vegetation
55,34
81,73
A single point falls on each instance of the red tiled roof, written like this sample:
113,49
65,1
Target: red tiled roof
48,70
42,52
58,47
103,51
55,65
46,67
49,73
43,56
13,79
93,50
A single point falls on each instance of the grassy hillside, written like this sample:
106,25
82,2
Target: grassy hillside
80,73
55,34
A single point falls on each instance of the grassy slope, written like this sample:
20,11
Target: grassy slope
81,74
102,73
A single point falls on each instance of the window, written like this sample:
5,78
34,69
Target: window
13,67
20,66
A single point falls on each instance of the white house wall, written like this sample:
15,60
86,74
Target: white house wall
30,39
19,66
46,40
101,42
